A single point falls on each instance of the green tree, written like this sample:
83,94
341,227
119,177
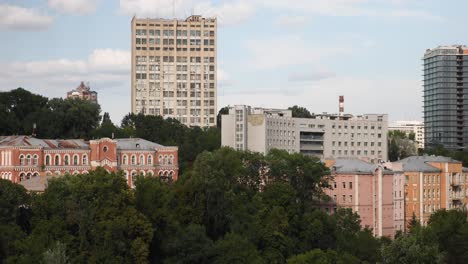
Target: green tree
234,249
222,111
94,216
298,111
400,146
407,249
56,255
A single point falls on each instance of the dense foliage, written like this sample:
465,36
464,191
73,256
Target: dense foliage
55,118
299,111
441,151
232,207
401,145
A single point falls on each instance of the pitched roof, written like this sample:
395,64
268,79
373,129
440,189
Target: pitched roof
26,141
353,165
136,144
420,163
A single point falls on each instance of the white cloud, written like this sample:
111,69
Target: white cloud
80,7
371,8
20,18
395,96
282,51
291,20
227,12
107,70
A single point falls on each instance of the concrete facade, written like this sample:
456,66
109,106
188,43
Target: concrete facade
23,158
324,136
174,66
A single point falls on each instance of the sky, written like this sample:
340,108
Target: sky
271,53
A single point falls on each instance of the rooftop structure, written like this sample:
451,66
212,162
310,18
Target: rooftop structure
83,92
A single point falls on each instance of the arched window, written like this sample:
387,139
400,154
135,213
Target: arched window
47,160
22,160
171,160
150,160
75,160
85,159
150,173
28,159
142,173
124,160
160,159
171,173
133,159
57,160
35,159
142,160
134,174
21,176
165,159
66,160
35,174
28,175
160,173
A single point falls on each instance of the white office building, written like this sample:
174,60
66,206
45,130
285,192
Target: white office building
416,127
324,135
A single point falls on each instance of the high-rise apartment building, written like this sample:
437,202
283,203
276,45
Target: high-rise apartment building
446,97
324,136
408,127
174,69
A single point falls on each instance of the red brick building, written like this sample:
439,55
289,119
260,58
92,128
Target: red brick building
23,158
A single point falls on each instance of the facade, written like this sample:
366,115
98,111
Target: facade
416,127
432,183
368,189
324,136
24,158
174,69
446,97
83,92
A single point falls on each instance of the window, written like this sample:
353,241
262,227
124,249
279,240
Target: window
344,185
66,160
160,159
35,159
350,198
124,160
28,159
171,159
75,160
150,160
133,159
21,159
105,149
351,185
334,197
142,160
47,160
57,160
344,198
85,159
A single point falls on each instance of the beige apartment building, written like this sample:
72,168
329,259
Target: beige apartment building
174,69
324,135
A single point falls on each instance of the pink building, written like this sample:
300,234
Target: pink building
83,92
368,189
28,161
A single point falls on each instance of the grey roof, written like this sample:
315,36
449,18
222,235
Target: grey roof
136,144
352,165
26,141
419,163
465,169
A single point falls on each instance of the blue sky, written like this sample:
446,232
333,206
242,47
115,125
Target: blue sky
273,53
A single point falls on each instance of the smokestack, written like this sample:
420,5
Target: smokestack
341,106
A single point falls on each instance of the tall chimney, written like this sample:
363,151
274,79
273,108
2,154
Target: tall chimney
341,105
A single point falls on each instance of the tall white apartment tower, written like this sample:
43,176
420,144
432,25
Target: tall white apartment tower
174,69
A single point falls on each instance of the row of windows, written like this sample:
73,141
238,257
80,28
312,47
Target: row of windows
172,48
170,33
358,152
365,127
33,160
350,185
345,143
162,159
343,198
156,41
179,59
